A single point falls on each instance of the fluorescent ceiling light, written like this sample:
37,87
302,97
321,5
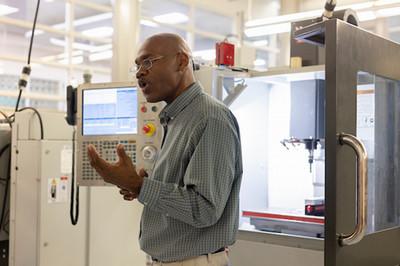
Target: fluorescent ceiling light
81,46
366,15
171,18
260,43
99,32
100,48
75,45
60,56
75,60
358,6
37,32
207,55
101,56
386,2
284,18
91,19
86,20
268,30
148,23
259,62
388,12
74,53
7,10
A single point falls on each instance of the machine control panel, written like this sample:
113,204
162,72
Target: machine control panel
151,132
110,114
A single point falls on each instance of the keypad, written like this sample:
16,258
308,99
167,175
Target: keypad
108,151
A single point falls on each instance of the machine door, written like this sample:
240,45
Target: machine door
362,148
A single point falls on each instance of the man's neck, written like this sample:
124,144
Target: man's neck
181,89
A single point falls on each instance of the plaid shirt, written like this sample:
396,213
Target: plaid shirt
191,200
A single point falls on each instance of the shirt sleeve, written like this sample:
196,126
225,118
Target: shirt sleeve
207,181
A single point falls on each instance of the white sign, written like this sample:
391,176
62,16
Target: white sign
66,160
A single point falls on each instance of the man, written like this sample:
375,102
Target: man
191,199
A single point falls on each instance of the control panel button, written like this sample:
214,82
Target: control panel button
149,129
149,153
143,109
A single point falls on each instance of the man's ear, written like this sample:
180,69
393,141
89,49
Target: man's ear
183,60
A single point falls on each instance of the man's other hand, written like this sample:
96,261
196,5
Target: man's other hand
128,195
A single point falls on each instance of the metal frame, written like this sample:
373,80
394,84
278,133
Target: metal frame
349,50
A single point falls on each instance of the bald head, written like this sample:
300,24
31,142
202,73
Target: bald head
168,43
168,71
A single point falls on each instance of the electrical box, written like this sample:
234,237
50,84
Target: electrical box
41,233
225,54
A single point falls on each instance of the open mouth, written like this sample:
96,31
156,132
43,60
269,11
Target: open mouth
142,84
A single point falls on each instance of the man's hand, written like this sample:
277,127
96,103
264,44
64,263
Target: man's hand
122,173
128,195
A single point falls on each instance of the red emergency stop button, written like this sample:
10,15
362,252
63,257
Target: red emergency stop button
149,129
143,109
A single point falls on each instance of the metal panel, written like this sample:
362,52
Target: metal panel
349,50
59,242
41,232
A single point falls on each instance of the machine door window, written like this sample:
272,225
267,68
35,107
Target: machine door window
378,127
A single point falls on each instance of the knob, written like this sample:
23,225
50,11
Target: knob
149,153
149,129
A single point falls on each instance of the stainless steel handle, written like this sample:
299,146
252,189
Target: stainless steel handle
362,190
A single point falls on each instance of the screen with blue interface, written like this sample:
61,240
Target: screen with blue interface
109,111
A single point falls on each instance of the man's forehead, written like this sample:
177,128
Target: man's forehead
141,56
148,49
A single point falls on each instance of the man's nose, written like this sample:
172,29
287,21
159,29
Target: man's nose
141,73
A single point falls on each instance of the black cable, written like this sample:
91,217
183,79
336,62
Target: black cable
26,71
33,31
39,116
18,100
74,219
